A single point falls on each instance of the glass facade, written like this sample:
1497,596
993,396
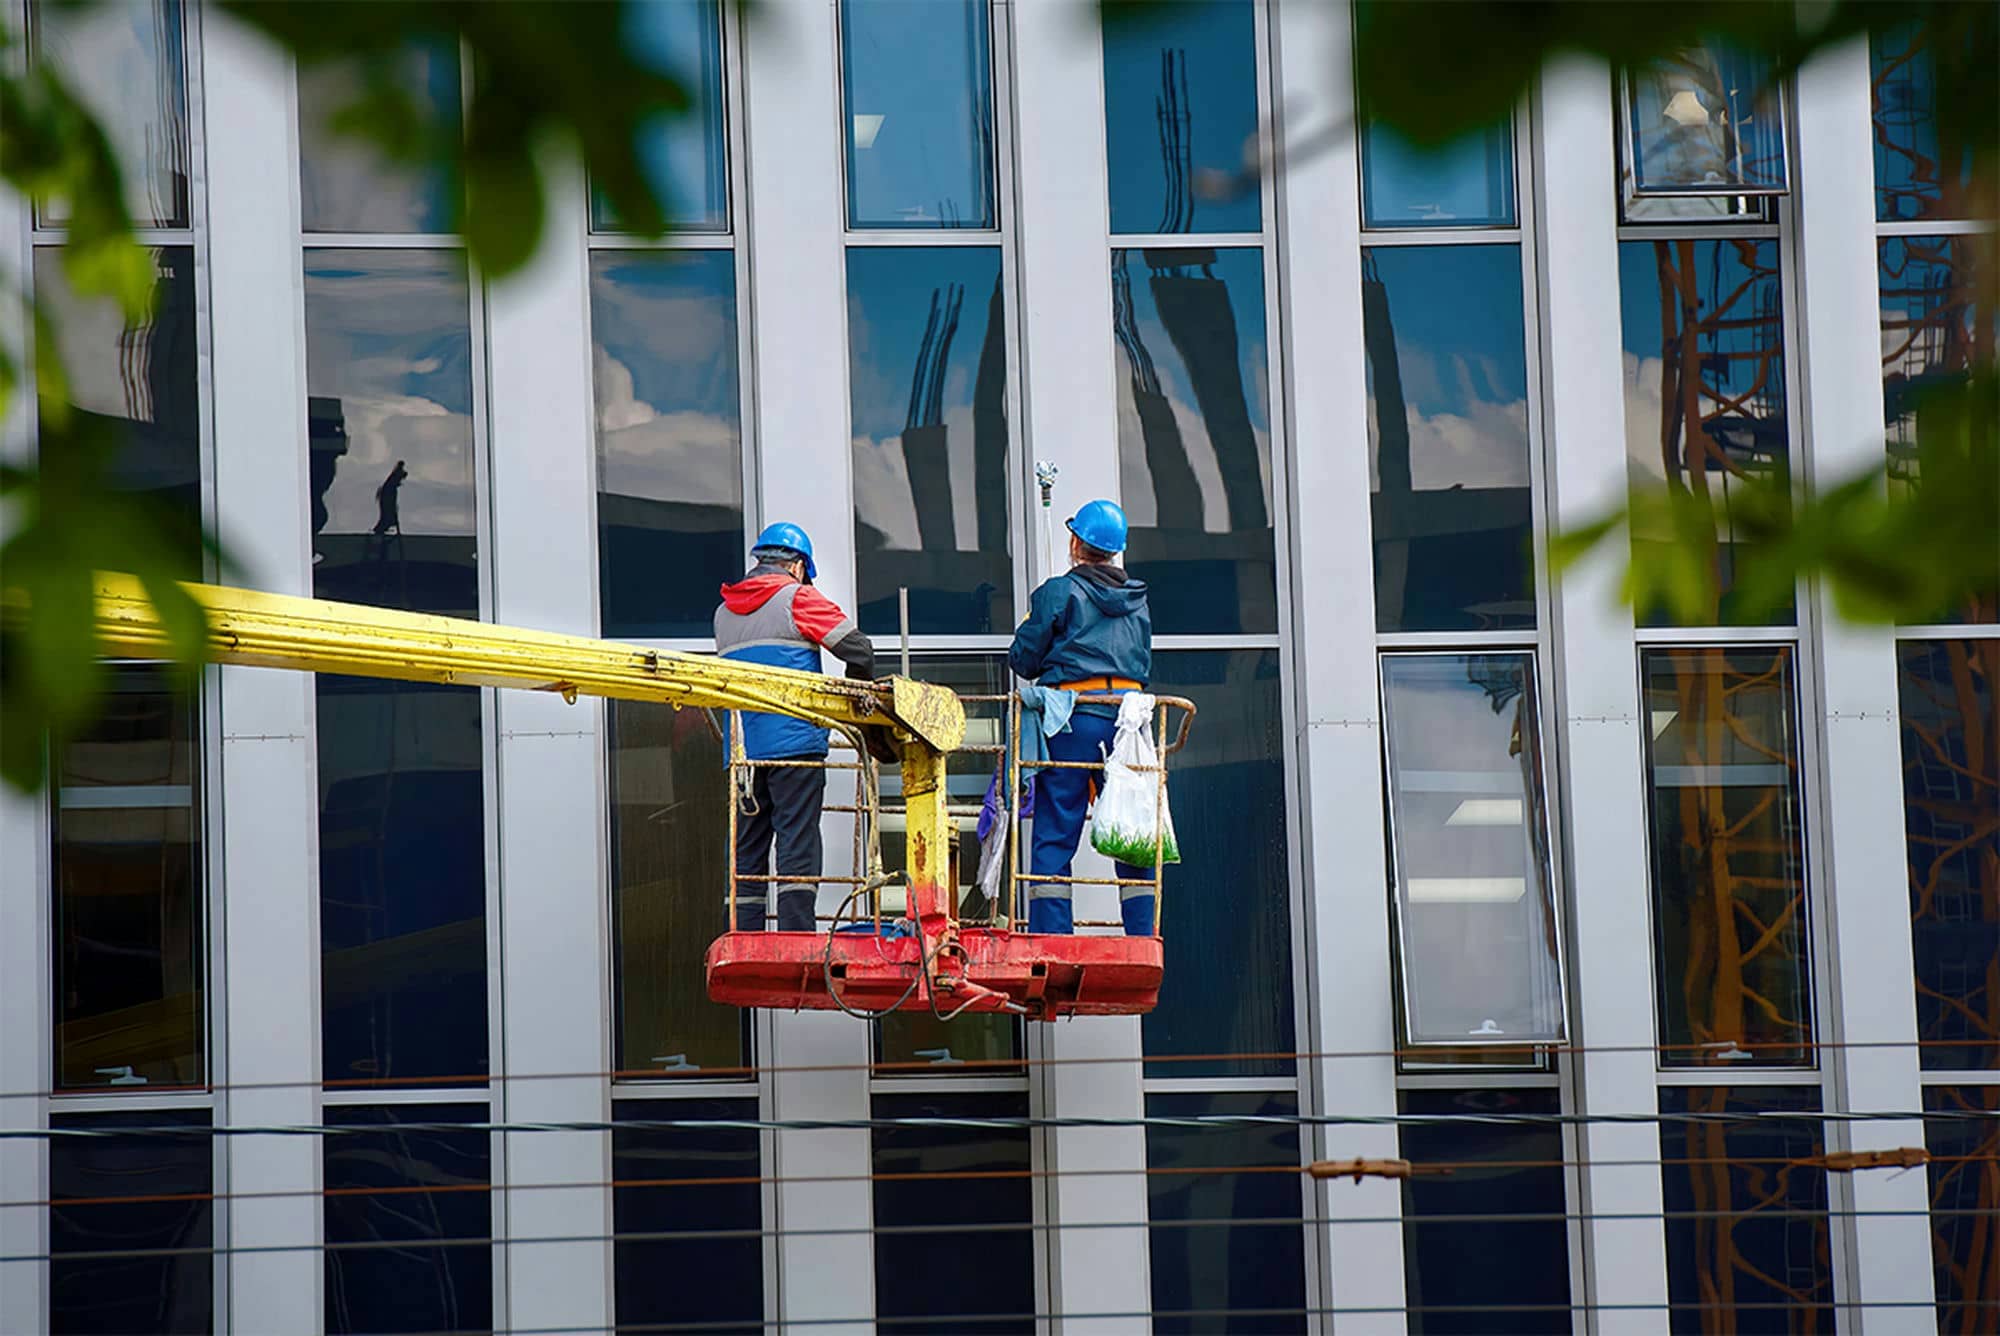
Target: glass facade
408,1220
1194,436
346,184
1925,162
927,349
1449,460
1705,120
1730,915
1962,1134
918,87
686,156
1477,924
130,970
140,1184
686,1213
669,437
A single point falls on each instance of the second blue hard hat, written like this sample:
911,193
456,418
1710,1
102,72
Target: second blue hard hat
1101,524
788,538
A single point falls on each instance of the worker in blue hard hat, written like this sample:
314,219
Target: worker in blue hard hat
774,616
1088,630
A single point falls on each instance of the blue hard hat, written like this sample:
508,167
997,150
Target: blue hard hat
788,538
1101,524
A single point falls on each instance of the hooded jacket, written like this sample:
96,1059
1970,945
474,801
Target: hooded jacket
1091,622
770,618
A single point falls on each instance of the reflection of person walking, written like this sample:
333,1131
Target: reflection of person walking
1088,630
775,617
387,520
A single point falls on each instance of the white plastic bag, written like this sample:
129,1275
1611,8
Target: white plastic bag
1123,825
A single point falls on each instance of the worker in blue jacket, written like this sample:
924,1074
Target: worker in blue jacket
1088,629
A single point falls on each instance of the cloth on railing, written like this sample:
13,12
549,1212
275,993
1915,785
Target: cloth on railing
1045,712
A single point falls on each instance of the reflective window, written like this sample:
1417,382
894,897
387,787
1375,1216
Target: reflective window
676,1189
1951,819
971,1044
1705,120
1448,437
670,891
953,1177
1180,110
918,80
346,184
927,349
1940,324
685,154
1924,151
1466,182
1477,925
1705,410
127,64
402,881
139,1192
1194,436
389,374
1747,1247
415,1189
129,975
1225,1279
1962,1134
1229,956
669,438
1453,1261
1728,848
132,389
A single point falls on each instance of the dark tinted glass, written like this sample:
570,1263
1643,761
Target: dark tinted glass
1448,434
1951,818
1476,919
1211,1275
1730,918
132,396
1194,436
1704,392
346,184
129,945
1746,1225
919,95
1963,1137
137,1192
970,1043
402,881
1180,104
1933,82
669,438
685,154
1518,1262
416,1189
127,63
1940,325
669,891
676,1184
389,380
953,1176
1229,956
927,349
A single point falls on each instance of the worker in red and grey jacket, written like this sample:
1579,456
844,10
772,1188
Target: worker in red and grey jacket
774,616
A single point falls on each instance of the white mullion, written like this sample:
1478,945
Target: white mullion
1938,227
1444,236
371,1096
1713,637
1198,240
683,1089
668,241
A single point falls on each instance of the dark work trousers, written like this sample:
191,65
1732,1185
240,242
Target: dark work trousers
788,802
1062,802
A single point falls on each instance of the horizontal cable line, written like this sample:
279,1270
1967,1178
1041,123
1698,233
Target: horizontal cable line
1004,1066
1420,1169
974,1228
1195,1122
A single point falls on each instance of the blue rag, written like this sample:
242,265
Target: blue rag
1045,712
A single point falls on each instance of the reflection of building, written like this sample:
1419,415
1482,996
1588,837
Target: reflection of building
1445,555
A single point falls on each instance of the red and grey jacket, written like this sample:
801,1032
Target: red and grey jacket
770,618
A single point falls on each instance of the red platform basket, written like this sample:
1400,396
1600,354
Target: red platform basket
1043,976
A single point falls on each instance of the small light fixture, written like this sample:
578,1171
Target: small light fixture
1684,109
867,127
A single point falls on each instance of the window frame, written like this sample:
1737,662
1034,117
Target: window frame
1630,157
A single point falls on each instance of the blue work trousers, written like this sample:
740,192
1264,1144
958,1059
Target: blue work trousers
1062,803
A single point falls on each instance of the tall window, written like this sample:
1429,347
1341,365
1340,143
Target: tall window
666,348
137,1183
930,369
687,1212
